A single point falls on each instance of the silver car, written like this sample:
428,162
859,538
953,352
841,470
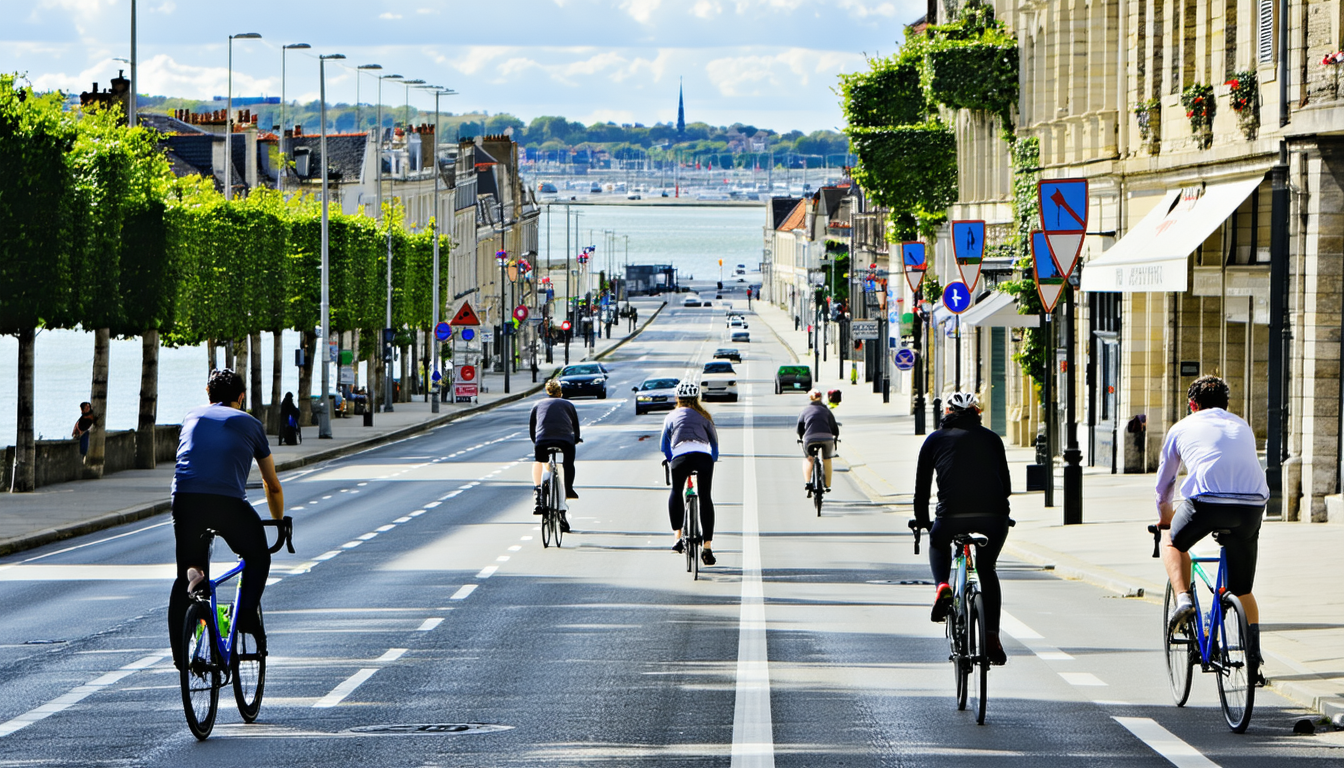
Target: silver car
656,393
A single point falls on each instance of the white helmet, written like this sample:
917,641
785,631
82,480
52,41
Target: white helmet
961,401
688,390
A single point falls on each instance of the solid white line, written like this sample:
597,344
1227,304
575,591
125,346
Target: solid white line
1081,678
487,571
1165,743
76,695
344,689
392,654
429,624
463,591
753,728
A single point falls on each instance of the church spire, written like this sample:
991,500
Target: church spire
681,112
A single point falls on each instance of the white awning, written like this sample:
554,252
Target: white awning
1154,256
998,310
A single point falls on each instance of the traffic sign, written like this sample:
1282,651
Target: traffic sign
487,334
466,373
915,263
468,334
863,329
905,359
968,244
1049,281
565,326
465,315
435,376
520,313
1063,204
443,331
464,392
957,297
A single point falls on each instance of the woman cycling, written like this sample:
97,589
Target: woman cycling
691,444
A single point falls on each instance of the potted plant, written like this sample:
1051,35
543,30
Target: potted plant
1200,109
1244,95
1149,115
1334,60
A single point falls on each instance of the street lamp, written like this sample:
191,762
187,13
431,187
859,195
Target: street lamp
378,198
280,173
324,423
434,168
130,109
408,84
228,118
502,257
358,115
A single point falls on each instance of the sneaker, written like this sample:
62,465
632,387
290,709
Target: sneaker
564,524
708,557
679,547
1180,614
537,508
808,488
995,651
941,604
570,494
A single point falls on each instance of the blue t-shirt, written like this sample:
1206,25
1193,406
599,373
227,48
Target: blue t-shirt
216,451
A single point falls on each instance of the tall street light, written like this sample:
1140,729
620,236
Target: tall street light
324,353
434,168
228,119
280,174
378,198
358,115
130,108
408,84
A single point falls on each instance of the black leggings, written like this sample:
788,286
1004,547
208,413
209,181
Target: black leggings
541,453
940,557
682,467
238,524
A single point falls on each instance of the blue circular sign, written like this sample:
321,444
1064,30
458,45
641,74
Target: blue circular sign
957,297
443,331
468,334
905,358
435,376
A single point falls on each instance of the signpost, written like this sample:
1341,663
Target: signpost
957,297
443,331
864,330
905,359
915,264
968,244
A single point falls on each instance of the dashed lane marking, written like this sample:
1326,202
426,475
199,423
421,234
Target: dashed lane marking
429,624
464,591
392,654
1165,743
487,571
346,688
76,695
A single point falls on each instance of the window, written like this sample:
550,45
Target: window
1264,35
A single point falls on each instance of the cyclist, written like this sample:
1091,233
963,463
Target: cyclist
1224,489
973,490
554,424
214,456
691,443
833,398
817,427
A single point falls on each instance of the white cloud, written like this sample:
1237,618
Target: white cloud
706,9
389,15
640,10
476,58
163,75
426,11
739,76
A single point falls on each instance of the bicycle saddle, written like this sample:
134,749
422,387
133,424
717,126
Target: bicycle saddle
978,539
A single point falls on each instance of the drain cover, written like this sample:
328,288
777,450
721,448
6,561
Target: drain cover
451,729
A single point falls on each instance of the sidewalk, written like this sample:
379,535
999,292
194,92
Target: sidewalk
59,511
1303,628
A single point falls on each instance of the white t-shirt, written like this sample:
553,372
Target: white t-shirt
1222,466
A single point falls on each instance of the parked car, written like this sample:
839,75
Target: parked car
740,337
793,378
691,301
728,353
583,380
656,393
718,379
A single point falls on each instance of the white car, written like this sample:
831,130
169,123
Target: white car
691,301
718,379
737,321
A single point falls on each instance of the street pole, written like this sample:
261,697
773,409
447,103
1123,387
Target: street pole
228,118
1047,409
503,259
131,106
324,354
378,201
359,115
918,377
434,168
1279,334
280,175
568,289
1073,470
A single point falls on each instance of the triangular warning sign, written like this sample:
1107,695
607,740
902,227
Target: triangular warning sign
465,315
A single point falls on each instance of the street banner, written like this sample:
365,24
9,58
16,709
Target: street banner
347,374
1049,280
915,263
1063,204
968,245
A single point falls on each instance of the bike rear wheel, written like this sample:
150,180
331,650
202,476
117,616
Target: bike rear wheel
977,654
547,514
818,488
1236,681
557,496
693,539
956,645
200,674
1180,651
249,674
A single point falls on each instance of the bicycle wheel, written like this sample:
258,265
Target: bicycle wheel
956,643
693,536
817,487
557,493
1180,651
1236,687
547,514
249,675
977,644
200,671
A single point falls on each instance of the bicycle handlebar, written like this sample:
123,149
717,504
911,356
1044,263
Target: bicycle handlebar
1157,530
284,533
667,473
916,528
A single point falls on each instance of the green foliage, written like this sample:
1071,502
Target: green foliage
1244,93
889,93
911,169
1200,107
979,75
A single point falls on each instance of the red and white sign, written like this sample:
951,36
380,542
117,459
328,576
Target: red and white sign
465,390
466,373
520,312
564,326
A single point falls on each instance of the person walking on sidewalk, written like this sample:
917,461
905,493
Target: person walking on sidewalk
817,427
691,444
1224,489
83,426
554,424
973,489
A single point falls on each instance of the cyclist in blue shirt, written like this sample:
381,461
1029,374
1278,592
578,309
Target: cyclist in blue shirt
214,456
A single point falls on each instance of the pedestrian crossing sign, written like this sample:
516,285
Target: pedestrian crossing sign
465,315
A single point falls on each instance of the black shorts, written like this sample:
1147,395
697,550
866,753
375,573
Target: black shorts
1195,519
542,450
825,447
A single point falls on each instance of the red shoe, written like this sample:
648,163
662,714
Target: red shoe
941,604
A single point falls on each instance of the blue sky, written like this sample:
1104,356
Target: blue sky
771,63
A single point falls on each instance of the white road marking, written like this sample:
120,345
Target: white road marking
417,513
464,591
346,688
487,571
384,528
1081,678
306,567
76,695
515,547
102,541
351,545
502,559
429,624
1031,638
432,504
526,538
1165,743
392,654
400,520
367,536
753,728
324,498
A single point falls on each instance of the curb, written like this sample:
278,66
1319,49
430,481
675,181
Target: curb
140,512
1072,568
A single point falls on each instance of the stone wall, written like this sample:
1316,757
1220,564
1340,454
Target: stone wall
58,461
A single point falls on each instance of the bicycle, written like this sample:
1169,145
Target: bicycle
967,635
818,483
690,527
552,500
214,653
1217,640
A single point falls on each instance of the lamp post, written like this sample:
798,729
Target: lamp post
228,118
358,114
378,199
408,84
434,168
324,423
502,257
130,107
280,174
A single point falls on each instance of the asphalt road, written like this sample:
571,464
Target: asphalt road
421,596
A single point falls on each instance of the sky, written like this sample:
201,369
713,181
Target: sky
768,63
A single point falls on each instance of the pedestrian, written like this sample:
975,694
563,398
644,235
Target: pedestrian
290,433
83,426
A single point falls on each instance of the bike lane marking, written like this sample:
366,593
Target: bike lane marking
78,694
1165,743
346,688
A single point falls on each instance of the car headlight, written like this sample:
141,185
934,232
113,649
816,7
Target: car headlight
704,383
643,399
732,383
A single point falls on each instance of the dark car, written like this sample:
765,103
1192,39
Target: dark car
656,393
793,378
583,380
728,353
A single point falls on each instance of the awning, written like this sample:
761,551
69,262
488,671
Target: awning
1154,256
999,310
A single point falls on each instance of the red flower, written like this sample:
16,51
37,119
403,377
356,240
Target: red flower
1191,113
1234,83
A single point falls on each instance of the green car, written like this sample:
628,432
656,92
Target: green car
793,378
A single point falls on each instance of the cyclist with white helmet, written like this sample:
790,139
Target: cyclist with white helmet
691,444
818,430
973,490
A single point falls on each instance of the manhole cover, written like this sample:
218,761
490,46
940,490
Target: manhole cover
452,729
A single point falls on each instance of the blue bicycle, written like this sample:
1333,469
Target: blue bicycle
1217,640
215,652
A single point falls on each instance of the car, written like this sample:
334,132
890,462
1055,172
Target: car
741,279
793,378
656,393
737,321
718,379
583,380
728,353
706,303
740,337
691,301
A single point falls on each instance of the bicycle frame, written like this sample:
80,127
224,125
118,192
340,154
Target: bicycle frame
1206,635
224,646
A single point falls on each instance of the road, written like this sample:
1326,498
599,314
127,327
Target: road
421,595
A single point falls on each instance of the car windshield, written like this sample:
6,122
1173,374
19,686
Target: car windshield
725,351
794,370
718,367
581,370
658,384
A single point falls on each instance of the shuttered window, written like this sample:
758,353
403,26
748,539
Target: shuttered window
1264,47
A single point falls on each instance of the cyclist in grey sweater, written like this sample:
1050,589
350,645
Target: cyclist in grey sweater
691,444
554,423
817,426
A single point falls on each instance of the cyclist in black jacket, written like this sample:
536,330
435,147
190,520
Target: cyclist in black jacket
973,490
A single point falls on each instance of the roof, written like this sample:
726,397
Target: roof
346,151
780,208
166,124
795,218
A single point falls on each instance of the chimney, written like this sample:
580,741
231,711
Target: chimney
298,130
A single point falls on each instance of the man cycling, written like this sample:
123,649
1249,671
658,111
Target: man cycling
973,490
817,427
1224,489
554,424
214,456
